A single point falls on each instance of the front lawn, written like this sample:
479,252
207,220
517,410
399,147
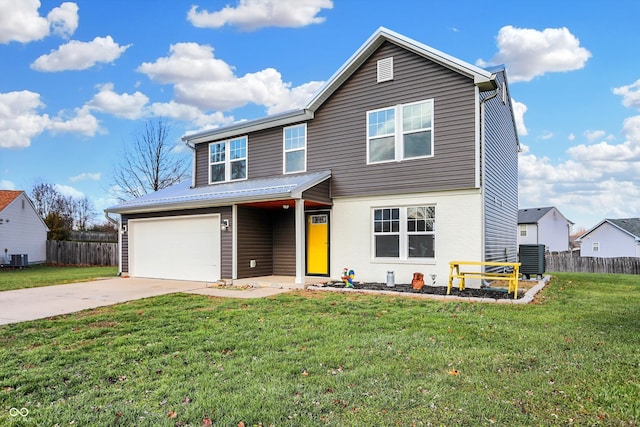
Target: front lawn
319,358
44,275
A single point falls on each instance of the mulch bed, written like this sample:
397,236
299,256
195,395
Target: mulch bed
495,293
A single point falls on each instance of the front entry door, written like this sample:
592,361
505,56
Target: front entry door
318,244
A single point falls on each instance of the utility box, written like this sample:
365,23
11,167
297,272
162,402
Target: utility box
19,260
532,260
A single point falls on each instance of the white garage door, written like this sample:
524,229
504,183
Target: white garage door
183,248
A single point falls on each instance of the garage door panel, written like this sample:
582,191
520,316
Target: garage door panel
183,248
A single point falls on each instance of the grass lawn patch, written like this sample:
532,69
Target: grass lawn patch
45,275
310,358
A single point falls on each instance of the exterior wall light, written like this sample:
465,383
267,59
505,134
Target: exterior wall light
224,225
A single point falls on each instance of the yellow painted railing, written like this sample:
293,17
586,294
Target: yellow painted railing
512,276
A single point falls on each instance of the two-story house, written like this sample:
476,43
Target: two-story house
405,159
544,226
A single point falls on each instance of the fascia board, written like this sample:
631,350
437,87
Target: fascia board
249,126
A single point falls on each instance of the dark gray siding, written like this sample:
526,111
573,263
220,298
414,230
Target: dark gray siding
337,134
226,255
268,237
255,242
284,243
319,193
336,137
500,179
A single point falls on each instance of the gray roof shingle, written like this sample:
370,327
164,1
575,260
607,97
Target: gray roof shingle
630,225
531,215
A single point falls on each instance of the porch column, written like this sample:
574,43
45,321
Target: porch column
300,241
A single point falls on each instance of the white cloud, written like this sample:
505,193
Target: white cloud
64,19
630,94
67,190
529,53
20,21
592,135
7,185
597,181
201,80
518,113
86,176
20,120
189,113
571,137
77,55
128,106
254,14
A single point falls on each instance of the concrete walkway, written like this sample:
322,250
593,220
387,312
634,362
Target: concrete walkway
38,303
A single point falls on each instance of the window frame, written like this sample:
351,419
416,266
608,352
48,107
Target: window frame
403,233
399,132
285,151
595,246
228,161
523,231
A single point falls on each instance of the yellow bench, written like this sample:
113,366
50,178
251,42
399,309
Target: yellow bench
456,273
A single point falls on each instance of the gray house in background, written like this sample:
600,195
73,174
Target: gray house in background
612,238
544,226
405,160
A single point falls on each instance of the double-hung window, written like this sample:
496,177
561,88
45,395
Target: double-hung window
404,232
402,132
228,160
295,149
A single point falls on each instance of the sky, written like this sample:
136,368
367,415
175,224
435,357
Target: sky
79,79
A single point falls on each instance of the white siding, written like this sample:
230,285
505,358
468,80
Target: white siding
532,235
458,235
553,231
612,243
22,231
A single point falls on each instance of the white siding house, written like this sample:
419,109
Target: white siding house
544,226
612,238
22,230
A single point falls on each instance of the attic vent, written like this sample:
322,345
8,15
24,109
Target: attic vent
385,69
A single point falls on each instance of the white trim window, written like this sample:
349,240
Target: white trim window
295,149
595,246
523,230
402,132
228,160
404,232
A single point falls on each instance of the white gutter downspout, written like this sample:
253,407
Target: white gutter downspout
482,167
117,224
193,163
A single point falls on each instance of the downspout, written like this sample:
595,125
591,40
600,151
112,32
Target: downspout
482,168
193,162
117,224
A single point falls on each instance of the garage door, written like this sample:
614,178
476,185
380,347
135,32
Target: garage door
182,248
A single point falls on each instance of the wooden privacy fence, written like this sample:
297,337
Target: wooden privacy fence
573,264
82,253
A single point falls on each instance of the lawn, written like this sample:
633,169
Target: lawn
319,358
44,275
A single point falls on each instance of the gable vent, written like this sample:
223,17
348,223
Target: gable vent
385,69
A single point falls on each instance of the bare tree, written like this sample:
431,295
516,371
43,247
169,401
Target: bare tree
45,198
82,213
148,163
59,211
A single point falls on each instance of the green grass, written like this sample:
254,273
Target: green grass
44,275
308,359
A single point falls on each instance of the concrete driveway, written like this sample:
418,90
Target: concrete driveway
38,303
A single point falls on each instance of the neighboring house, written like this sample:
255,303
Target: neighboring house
612,238
544,226
22,230
405,160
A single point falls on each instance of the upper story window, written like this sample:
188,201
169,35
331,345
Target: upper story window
595,246
401,132
295,148
228,160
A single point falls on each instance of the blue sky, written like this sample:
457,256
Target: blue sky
78,79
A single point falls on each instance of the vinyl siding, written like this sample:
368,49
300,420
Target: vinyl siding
226,254
284,243
22,232
500,176
336,137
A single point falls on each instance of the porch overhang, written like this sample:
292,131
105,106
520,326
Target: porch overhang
183,196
